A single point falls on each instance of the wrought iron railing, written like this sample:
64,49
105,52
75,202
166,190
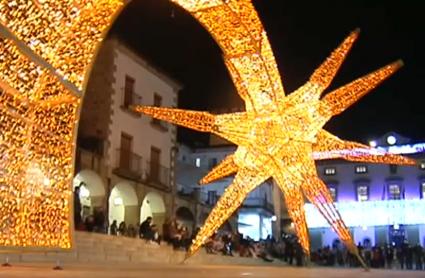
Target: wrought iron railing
130,99
157,174
258,202
87,159
128,164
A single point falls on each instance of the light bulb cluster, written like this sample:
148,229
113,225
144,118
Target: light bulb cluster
277,137
65,34
37,121
38,113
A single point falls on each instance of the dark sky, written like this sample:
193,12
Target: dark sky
302,34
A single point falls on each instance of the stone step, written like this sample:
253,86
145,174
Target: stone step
12,258
91,257
34,257
99,248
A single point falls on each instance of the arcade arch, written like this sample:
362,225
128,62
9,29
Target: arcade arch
153,205
92,191
185,216
123,204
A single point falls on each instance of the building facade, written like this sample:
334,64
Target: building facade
254,217
125,161
381,204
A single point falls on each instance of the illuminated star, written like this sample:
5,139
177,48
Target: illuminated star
280,136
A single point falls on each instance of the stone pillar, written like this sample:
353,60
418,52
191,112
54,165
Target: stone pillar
277,204
158,220
412,234
381,235
132,215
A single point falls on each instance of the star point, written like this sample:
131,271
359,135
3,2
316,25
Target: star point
280,136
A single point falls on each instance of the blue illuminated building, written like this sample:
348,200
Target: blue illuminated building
382,204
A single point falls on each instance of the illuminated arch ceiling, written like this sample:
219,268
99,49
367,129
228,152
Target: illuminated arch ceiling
46,53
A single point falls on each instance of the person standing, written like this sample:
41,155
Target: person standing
77,207
389,255
114,228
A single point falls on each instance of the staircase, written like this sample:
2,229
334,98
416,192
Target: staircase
98,248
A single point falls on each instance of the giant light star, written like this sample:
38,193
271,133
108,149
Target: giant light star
278,136
47,49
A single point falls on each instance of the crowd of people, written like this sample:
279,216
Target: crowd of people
287,249
404,256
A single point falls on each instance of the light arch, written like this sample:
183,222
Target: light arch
48,52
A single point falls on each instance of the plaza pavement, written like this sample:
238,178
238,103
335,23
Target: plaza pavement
81,270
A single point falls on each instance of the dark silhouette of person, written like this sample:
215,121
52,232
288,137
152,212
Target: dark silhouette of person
114,228
77,207
99,220
145,230
418,254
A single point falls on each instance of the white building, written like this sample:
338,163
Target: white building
126,160
380,203
254,217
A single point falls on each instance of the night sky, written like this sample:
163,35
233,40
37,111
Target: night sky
302,35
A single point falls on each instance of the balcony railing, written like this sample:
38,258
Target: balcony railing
128,164
130,99
157,174
87,159
190,193
258,202
159,124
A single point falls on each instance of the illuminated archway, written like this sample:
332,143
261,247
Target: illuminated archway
123,204
47,51
46,59
153,206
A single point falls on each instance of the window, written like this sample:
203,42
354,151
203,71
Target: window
213,163
128,91
362,193
125,151
360,169
154,164
212,197
393,169
330,171
423,189
422,165
198,162
333,191
157,102
394,191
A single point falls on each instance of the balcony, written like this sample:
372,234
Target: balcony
131,99
87,159
157,175
191,194
256,202
128,164
159,124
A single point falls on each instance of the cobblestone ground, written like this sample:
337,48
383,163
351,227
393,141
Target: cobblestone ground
192,271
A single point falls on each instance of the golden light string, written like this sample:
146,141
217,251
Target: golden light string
278,136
